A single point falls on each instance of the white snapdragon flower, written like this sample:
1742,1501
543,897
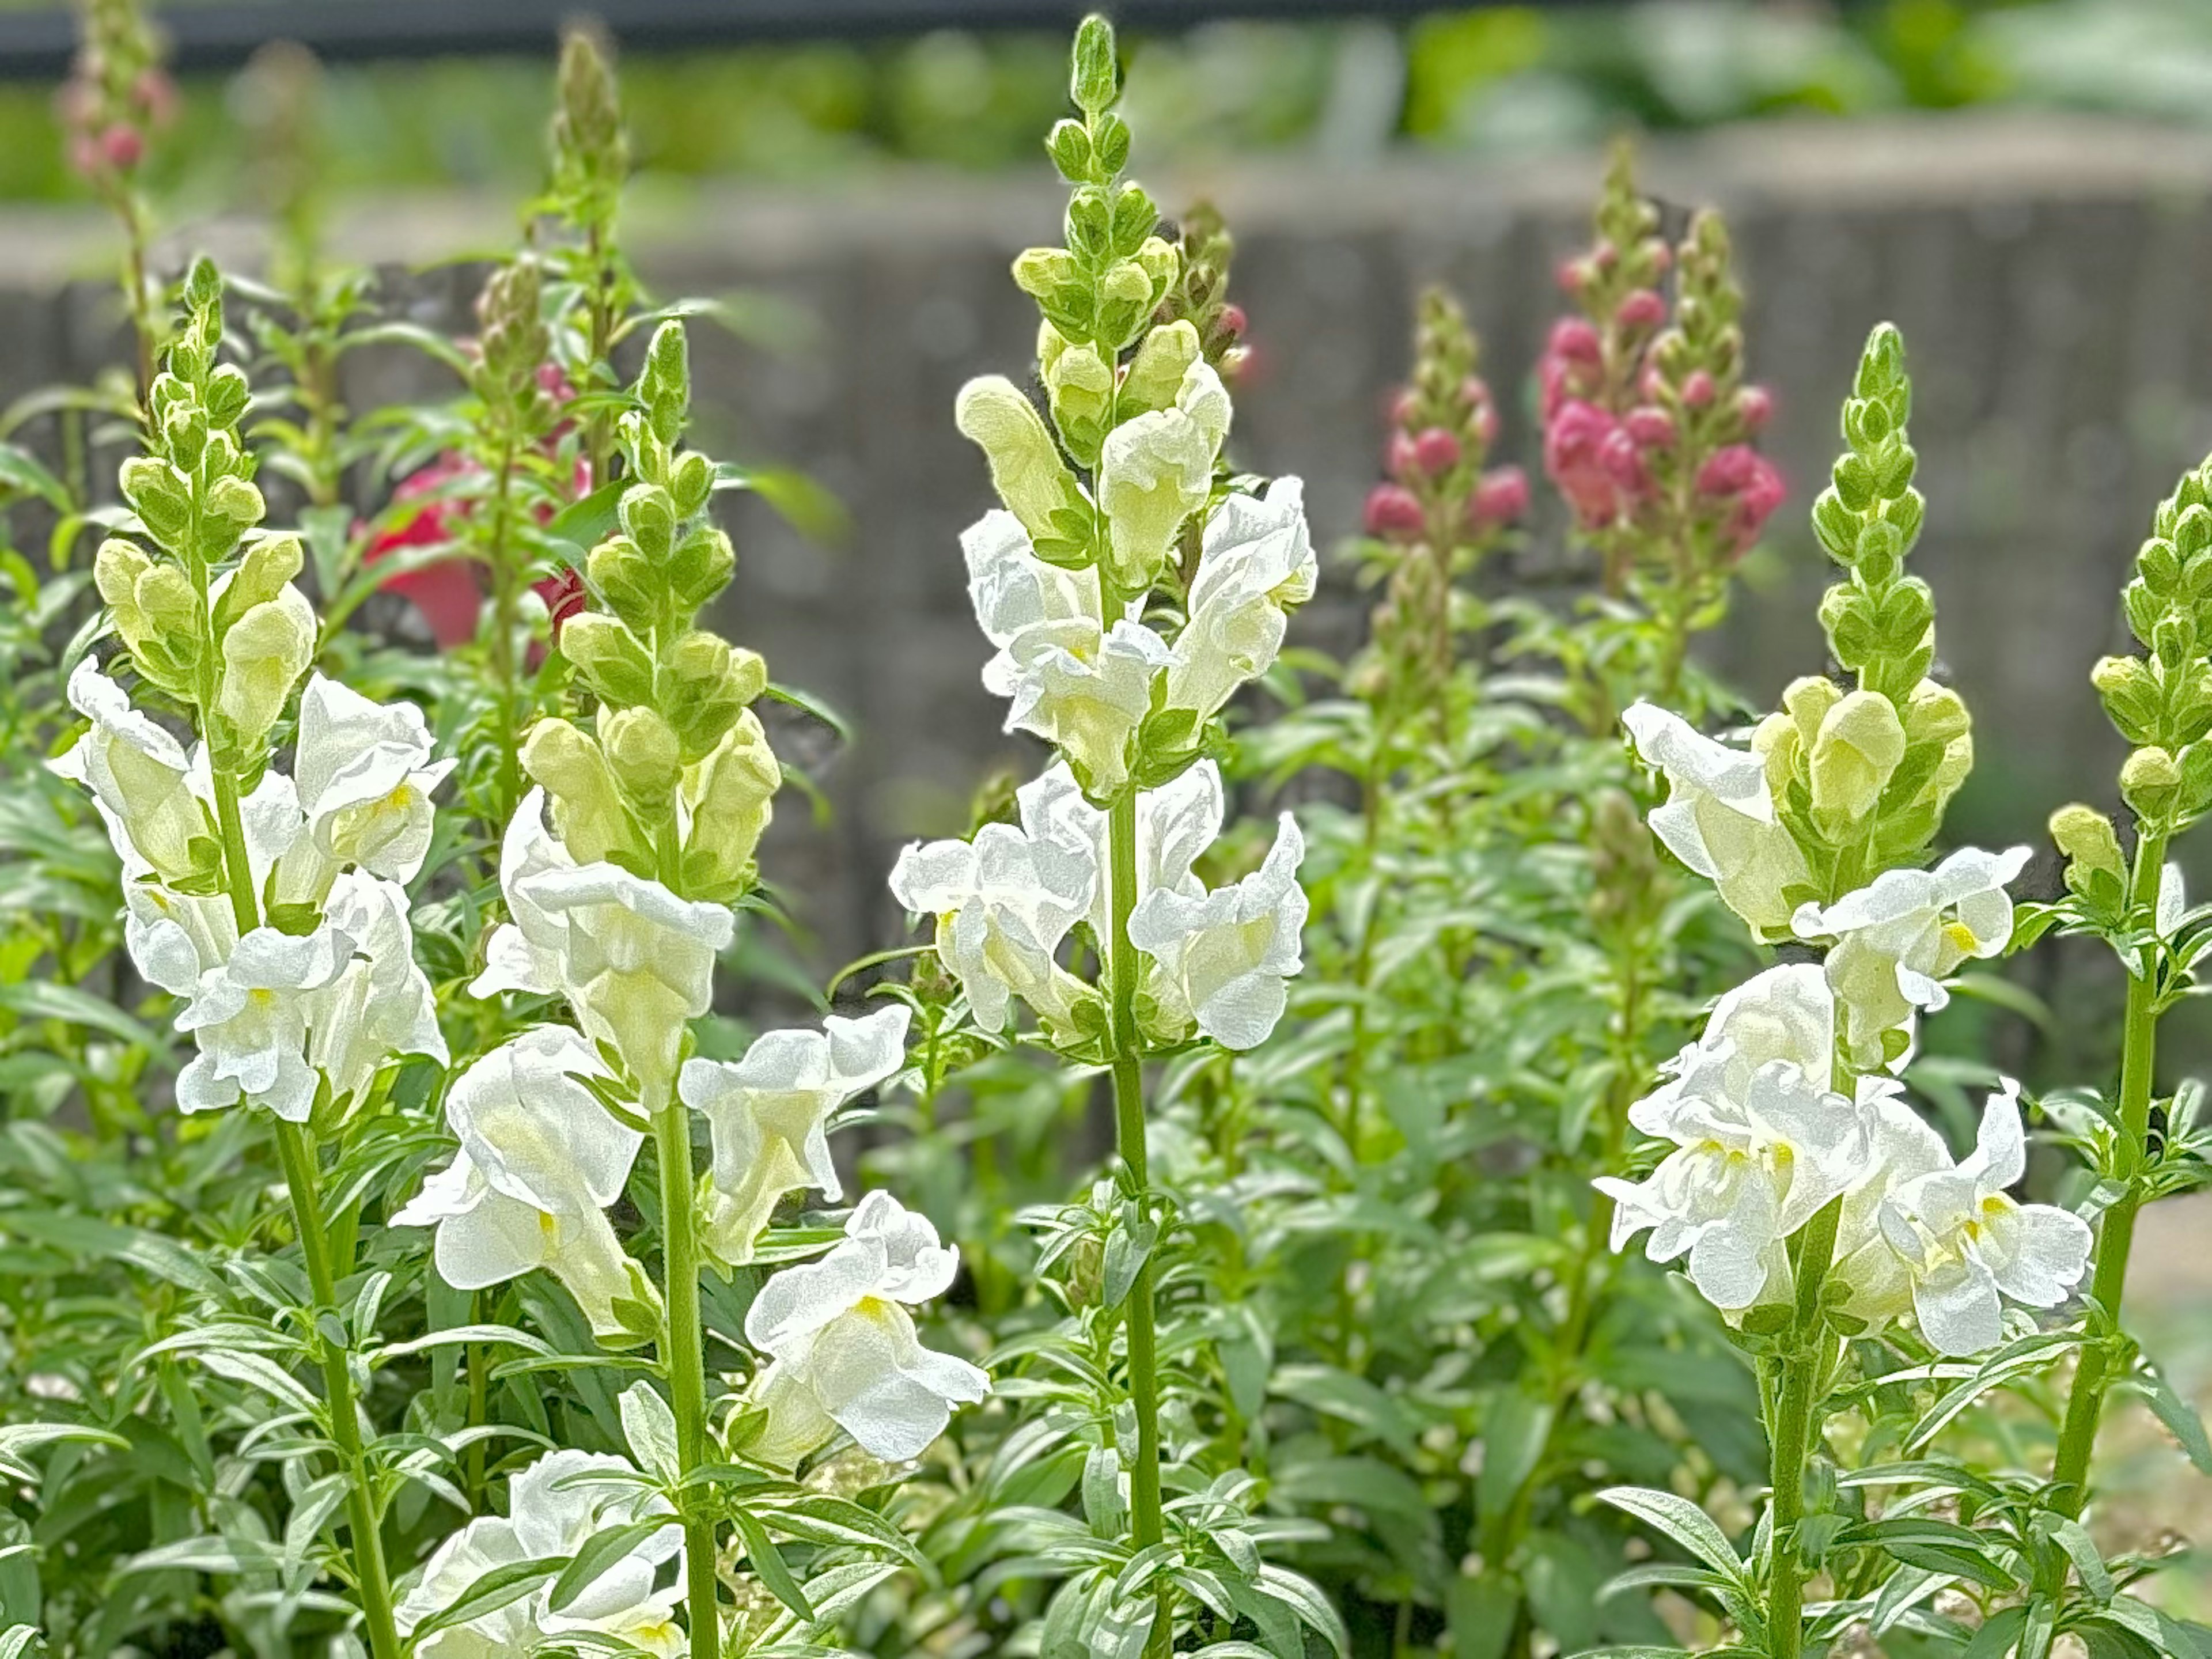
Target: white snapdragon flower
1719,818
768,1115
1746,1173
556,1506
249,1017
1256,563
1154,471
1756,1157
1072,675
1176,823
1222,959
137,774
843,1350
1003,903
364,774
540,1159
381,1003
1897,939
1966,1246
635,962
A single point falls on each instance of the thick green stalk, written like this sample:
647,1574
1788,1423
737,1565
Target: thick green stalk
2085,1406
507,670
683,1355
1129,1134
1794,1431
372,1576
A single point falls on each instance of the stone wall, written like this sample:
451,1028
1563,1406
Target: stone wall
2048,275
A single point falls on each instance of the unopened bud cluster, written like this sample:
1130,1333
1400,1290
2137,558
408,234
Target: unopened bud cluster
676,779
591,151
1648,427
1199,296
512,345
2161,701
1868,772
233,638
118,93
1443,508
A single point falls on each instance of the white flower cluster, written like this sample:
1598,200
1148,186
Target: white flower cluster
325,989
542,1157
1005,900
1763,1140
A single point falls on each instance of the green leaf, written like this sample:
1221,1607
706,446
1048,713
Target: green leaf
497,1588
1481,1613
768,1561
36,999
1513,1435
1683,1521
2181,1418
650,1428
601,1551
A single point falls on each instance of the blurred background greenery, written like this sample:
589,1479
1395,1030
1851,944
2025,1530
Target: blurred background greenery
1499,80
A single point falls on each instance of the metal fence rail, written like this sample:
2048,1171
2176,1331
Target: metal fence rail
36,45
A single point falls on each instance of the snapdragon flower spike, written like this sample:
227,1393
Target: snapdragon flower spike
1965,1247
540,1160
1720,820
1897,939
555,1507
842,1347
768,1115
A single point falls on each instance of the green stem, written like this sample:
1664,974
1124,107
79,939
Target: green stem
297,1154
506,619
374,1577
1795,1433
684,1357
1149,1526
2085,1405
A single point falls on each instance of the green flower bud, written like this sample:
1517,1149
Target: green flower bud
1026,469
1081,383
1094,78
691,483
607,657
2130,695
712,682
156,612
2090,844
649,516
2149,780
1778,742
642,752
1860,743
235,501
1936,713
700,566
226,396
633,585
160,495
587,809
730,794
185,430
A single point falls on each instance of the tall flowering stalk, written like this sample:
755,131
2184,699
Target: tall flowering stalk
619,871
1807,1202
118,94
272,905
591,163
1118,655
2160,702
1648,423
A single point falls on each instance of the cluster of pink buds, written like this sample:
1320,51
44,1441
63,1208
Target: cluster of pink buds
118,93
1443,426
1648,429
